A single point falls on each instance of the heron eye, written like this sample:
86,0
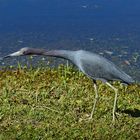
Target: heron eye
24,52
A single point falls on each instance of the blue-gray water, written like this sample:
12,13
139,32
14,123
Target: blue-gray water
108,27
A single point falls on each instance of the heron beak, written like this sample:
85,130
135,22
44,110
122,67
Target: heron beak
18,53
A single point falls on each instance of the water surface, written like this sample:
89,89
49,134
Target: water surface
108,27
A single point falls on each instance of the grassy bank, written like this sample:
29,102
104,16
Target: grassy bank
54,103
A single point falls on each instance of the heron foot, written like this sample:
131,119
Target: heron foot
88,118
115,116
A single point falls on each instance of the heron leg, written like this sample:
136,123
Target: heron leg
95,100
115,99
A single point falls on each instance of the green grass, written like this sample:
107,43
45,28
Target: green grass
54,104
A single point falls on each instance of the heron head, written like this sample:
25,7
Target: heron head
23,51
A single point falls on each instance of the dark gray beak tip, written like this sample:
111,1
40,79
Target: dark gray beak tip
5,57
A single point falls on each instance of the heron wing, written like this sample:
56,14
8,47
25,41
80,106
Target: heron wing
98,68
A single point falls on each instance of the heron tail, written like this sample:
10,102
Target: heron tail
127,79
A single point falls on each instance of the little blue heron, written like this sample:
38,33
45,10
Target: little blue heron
93,65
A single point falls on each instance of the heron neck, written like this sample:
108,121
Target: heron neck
61,54
36,51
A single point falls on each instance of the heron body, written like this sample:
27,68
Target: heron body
93,65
